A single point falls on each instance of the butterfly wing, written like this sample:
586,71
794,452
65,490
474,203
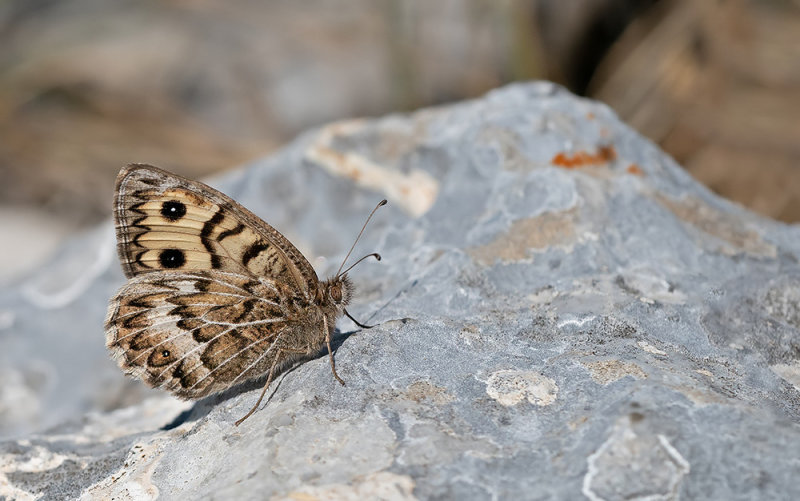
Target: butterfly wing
199,332
167,222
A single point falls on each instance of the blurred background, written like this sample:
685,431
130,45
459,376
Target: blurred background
197,87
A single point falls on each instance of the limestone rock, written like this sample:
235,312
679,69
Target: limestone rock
562,312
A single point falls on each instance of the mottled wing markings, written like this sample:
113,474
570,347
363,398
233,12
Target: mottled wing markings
205,237
166,222
253,250
247,371
194,241
229,233
176,329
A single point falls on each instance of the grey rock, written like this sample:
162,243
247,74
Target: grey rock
562,313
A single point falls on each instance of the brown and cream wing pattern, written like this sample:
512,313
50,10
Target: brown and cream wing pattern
167,222
196,333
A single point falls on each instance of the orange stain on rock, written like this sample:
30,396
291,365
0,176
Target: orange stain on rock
635,170
604,154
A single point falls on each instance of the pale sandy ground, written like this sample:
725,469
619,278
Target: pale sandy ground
29,237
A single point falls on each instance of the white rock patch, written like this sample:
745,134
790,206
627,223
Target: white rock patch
510,387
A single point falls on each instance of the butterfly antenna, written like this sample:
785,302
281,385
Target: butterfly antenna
374,254
380,204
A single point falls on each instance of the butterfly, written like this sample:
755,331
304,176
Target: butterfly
215,296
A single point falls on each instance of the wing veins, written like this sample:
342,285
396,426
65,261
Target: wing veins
250,345
200,345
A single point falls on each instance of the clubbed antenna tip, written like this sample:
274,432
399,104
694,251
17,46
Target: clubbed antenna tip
378,257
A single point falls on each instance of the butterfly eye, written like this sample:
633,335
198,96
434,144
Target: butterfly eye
336,293
173,210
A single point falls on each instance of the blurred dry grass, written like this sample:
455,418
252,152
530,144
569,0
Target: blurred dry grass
87,86
717,85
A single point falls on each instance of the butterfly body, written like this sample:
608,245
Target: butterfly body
215,295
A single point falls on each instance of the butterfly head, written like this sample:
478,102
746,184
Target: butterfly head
338,290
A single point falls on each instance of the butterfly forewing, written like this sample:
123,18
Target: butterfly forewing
165,222
196,333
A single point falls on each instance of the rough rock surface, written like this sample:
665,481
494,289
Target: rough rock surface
562,313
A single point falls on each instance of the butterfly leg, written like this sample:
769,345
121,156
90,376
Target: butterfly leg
264,391
330,351
278,359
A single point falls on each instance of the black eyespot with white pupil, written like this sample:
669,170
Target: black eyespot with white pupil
165,353
173,210
171,258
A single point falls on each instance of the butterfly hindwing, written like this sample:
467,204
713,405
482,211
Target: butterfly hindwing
166,222
198,332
